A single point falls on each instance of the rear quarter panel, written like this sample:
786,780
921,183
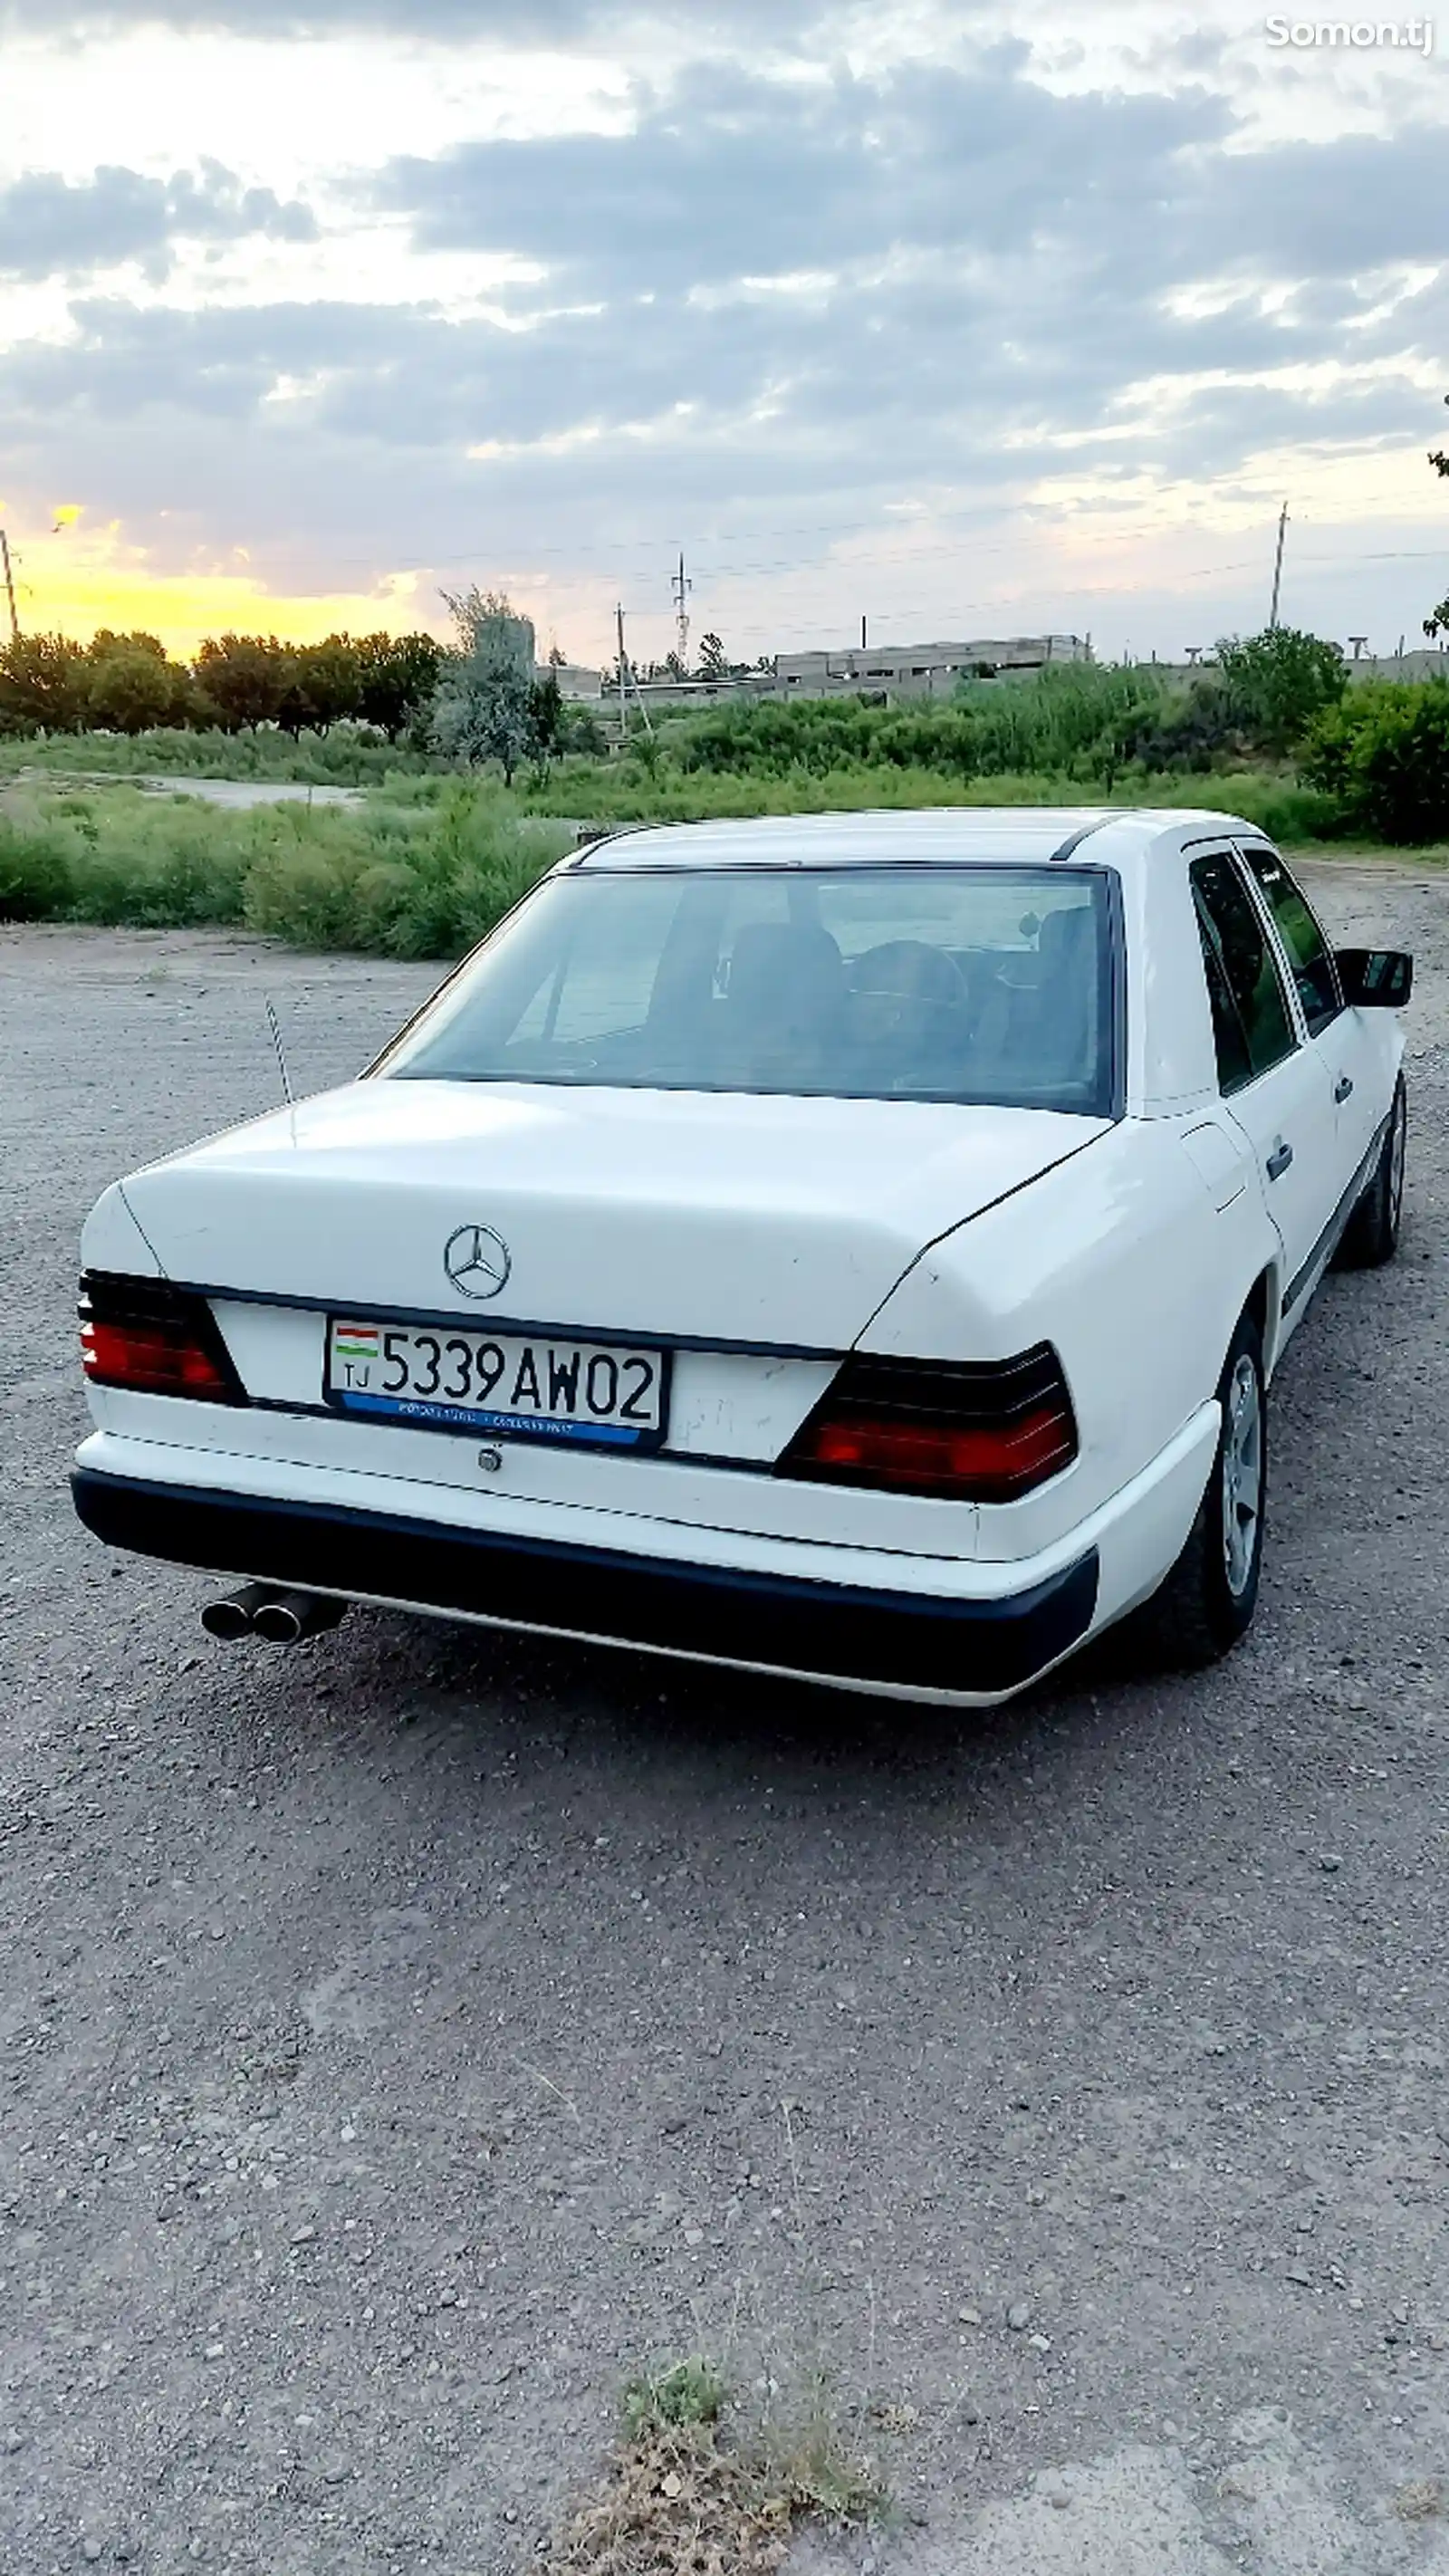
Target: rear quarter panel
1122,1261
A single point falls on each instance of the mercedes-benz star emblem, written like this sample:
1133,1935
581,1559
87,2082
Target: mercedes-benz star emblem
477,1261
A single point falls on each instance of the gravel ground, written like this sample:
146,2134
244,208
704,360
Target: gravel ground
397,2029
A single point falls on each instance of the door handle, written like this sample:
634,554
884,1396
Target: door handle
1343,1087
1279,1160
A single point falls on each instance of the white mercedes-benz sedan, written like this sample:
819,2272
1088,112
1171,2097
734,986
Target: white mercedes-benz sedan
854,1247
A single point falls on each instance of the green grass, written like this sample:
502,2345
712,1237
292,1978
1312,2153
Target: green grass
349,756
624,791
684,2393
397,878
425,864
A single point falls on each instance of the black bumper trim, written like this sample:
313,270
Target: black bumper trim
838,1630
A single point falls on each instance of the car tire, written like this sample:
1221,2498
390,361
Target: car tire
1371,1236
1208,1600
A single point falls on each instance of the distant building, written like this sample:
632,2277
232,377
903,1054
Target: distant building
920,670
1421,662
575,680
883,670
1417,662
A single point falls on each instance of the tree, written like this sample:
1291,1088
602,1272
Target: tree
713,660
484,706
321,686
545,718
398,678
1278,682
243,678
1384,753
42,685
132,685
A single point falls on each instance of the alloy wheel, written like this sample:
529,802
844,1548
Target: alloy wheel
1242,1476
1397,1144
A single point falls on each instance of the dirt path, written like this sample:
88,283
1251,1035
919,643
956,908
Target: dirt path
397,2030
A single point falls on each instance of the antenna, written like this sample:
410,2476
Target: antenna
681,586
287,1093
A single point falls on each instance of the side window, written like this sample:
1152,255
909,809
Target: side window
1235,1065
1241,966
1309,954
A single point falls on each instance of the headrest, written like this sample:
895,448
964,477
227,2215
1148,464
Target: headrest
786,974
1066,936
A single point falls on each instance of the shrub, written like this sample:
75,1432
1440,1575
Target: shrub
425,883
1278,683
35,876
1384,755
402,880
1081,721
1193,728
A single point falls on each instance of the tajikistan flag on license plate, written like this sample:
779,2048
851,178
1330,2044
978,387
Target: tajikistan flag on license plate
357,1342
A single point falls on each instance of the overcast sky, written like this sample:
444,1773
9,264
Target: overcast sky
972,320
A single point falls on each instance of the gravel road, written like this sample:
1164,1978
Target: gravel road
397,2029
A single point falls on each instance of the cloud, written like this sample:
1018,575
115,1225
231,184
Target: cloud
50,226
814,294
730,175
451,21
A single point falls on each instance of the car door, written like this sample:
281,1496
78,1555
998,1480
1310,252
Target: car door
1276,1087
1350,1057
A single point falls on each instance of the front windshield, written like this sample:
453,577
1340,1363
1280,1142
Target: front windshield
987,984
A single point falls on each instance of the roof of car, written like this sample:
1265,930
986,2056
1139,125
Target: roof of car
1026,833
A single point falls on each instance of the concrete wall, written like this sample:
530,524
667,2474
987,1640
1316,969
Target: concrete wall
576,681
1431,662
894,671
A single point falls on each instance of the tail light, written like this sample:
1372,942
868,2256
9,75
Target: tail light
970,1432
155,1339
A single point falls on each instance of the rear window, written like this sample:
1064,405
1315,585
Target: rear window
983,984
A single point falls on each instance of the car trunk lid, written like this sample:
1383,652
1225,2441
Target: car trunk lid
689,1216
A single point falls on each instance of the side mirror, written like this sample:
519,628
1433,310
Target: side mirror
1379,979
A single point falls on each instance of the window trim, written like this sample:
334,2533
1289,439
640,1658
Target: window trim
1249,874
1195,852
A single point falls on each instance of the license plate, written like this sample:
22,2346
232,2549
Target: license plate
509,1385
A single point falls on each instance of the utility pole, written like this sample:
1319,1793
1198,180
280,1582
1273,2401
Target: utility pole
1278,564
626,677
681,587
10,585
862,635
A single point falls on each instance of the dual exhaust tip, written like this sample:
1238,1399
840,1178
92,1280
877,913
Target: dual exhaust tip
260,1610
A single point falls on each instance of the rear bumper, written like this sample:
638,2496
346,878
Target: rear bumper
911,1644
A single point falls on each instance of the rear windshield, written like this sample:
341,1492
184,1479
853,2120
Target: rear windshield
985,984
